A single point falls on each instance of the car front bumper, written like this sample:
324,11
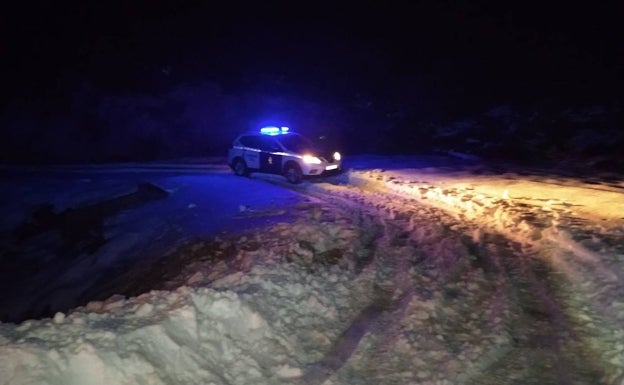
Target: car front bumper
322,168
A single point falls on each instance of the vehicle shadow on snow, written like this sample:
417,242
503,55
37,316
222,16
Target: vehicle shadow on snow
336,178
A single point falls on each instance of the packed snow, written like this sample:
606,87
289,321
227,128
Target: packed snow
397,272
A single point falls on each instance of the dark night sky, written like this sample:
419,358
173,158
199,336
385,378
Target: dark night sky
488,50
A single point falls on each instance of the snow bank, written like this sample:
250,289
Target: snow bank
157,338
262,327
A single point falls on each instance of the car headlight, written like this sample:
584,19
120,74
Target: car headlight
337,156
309,159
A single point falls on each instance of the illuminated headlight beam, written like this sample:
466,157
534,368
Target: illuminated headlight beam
310,159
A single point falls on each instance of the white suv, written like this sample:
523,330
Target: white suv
277,150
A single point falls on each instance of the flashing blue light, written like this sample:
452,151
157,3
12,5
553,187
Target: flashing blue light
269,130
272,130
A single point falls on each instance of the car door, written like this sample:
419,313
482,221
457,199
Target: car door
270,155
251,151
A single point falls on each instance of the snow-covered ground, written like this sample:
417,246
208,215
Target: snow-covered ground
44,273
405,270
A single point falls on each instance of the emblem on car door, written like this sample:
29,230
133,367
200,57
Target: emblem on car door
270,160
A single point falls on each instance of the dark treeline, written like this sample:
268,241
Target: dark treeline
193,120
84,121
90,125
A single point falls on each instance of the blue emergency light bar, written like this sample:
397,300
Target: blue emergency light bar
273,130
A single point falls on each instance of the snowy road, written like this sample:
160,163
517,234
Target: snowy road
42,274
402,271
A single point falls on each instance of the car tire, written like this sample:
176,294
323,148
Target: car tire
293,173
240,167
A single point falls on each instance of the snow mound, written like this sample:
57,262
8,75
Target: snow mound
157,338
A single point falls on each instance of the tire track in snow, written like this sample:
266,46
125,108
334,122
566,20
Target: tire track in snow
393,291
546,346
546,343
583,263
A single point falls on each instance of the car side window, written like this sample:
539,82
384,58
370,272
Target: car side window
251,141
268,144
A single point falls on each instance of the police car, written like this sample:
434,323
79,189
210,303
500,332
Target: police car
277,150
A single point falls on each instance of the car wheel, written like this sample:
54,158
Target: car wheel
293,173
240,168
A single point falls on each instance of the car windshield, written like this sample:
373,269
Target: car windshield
296,143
